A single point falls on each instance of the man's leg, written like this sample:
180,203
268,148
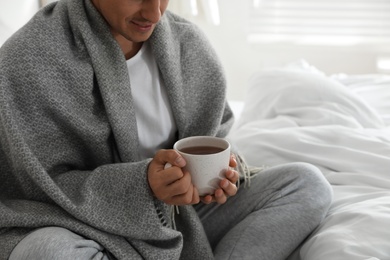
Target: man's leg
268,220
57,243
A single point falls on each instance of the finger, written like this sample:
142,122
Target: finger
232,175
233,160
220,196
207,199
162,157
171,175
180,186
228,188
188,198
182,199
174,192
159,181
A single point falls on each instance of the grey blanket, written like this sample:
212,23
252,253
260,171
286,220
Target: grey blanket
68,135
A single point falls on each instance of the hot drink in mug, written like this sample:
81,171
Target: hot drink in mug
207,160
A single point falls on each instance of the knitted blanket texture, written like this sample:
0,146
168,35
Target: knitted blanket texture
68,133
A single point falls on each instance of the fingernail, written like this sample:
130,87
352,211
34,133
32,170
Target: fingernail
179,161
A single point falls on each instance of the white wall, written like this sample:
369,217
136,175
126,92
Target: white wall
242,59
14,14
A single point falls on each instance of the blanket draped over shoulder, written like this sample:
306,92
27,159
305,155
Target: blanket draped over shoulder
68,134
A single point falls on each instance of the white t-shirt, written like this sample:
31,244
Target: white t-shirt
155,123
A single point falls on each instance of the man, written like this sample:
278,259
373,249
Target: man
93,94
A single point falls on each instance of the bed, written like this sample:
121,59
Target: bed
341,124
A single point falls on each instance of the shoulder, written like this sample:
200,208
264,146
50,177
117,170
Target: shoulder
177,22
176,34
173,25
179,41
34,39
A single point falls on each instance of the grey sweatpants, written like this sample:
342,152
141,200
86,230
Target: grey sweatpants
266,221
55,243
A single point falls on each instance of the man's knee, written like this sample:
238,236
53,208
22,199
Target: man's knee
316,190
56,243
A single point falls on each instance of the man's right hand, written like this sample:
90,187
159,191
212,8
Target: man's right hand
171,185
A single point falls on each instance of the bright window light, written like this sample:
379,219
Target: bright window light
383,64
256,3
194,7
319,22
211,9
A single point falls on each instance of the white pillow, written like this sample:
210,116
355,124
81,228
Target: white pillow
373,88
306,94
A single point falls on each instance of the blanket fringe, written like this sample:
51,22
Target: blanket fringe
174,210
247,172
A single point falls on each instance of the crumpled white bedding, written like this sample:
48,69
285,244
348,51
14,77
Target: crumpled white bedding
293,114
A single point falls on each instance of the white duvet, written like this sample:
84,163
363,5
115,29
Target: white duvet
299,115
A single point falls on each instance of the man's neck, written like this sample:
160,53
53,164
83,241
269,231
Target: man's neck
129,48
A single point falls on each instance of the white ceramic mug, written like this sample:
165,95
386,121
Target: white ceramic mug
207,166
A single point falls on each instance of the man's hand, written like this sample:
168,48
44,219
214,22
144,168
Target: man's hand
171,185
227,186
